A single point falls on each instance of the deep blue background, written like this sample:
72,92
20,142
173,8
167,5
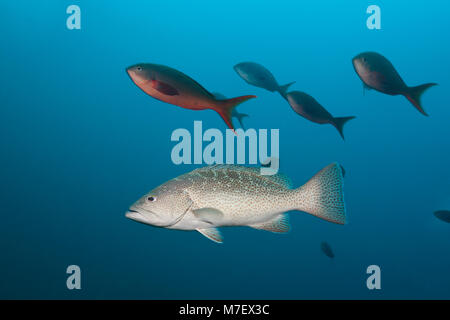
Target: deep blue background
80,143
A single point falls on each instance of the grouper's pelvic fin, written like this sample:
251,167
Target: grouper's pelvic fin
323,195
225,108
212,234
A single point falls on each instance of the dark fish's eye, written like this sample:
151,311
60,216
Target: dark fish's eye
151,198
139,69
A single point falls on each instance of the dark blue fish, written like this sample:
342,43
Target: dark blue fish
377,72
443,215
310,109
326,249
258,76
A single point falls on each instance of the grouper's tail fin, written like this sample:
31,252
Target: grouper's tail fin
283,89
323,195
414,94
225,108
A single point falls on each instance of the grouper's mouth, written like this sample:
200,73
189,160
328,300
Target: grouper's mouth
135,215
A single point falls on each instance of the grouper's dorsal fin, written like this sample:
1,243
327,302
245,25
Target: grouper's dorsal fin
281,179
278,178
212,234
279,224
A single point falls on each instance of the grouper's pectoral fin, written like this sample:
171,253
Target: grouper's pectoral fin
210,215
279,224
212,234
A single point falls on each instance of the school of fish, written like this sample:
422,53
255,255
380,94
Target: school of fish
229,195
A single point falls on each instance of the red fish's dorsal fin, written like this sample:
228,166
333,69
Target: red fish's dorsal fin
225,108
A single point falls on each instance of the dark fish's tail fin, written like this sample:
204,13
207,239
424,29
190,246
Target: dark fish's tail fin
323,195
283,89
241,116
414,94
225,108
339,124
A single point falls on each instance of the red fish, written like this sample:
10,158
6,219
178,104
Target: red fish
174,87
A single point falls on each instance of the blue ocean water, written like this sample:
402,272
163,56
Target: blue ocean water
80,143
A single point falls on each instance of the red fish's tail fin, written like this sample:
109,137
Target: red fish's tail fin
339,124
414,94
225,108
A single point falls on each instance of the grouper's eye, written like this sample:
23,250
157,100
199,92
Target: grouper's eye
151,198
139,68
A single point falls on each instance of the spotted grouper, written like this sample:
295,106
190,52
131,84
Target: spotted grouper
232,195
174,87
